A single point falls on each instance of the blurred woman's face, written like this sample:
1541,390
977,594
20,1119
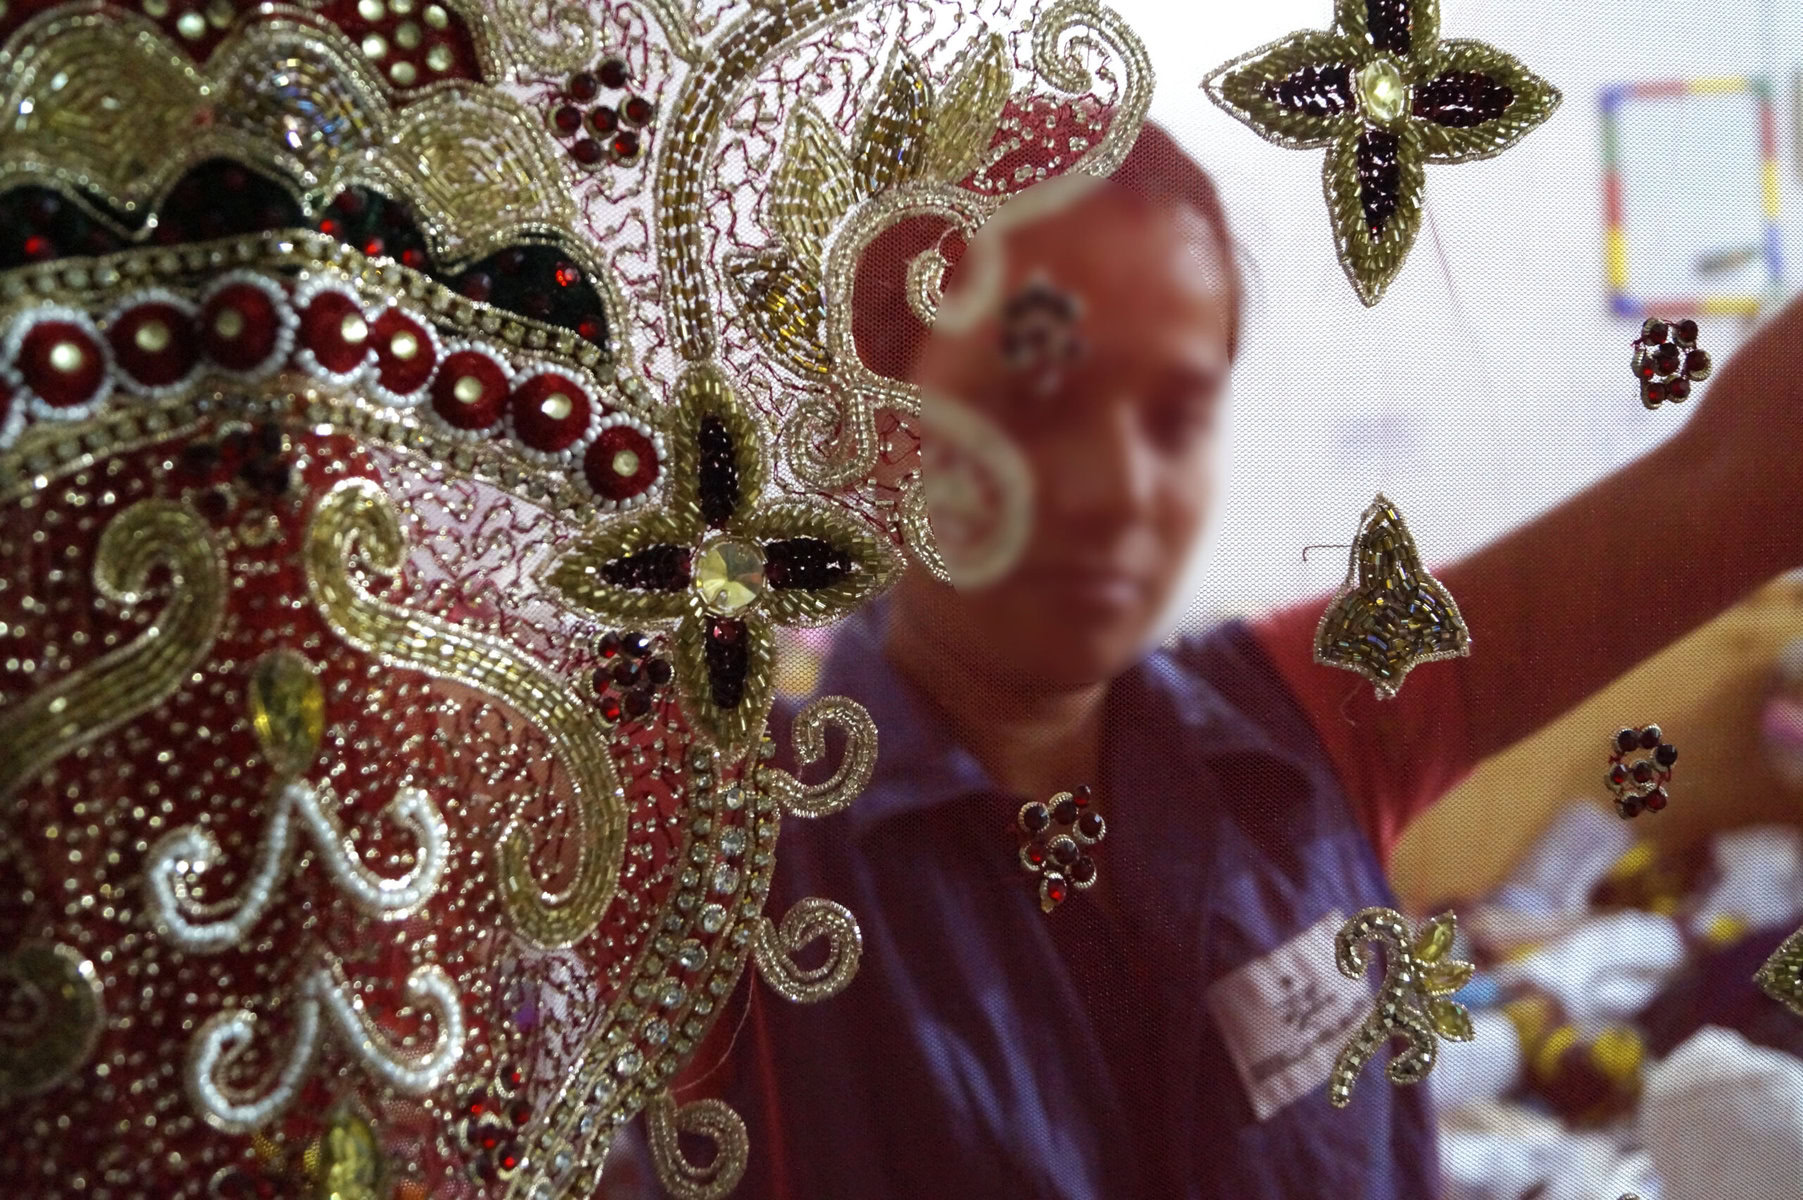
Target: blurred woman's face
1117,440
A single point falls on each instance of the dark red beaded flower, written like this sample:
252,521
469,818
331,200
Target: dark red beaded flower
633,671
1667,361
1639,785
492,1119
592,132
1056,837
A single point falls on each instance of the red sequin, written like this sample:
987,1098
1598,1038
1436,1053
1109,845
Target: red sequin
322,331
153,343
544,422
49,367
600,469
459,368
405,355
239,327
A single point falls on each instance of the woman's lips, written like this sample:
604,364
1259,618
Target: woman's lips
1101,588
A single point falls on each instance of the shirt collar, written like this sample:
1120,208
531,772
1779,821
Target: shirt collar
1159,709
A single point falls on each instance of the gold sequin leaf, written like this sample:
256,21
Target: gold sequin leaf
813,186
1435,938
1390,616
892,140
969,111
783,298
1450,1019
1781,975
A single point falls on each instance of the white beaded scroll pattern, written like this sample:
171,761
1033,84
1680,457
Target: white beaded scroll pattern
190,851
227,1035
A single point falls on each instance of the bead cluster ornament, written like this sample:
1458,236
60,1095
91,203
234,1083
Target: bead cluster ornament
631,674
1390,615
1414,1002
1667,361
1639,786
1057,839
493,1117
599,133
1385,95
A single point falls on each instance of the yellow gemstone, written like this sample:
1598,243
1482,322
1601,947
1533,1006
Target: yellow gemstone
729,575
220,13
371,10
407,36
152,337
403,345
191,25
375,46
229,323
1382,93
557,406
437,17
439,58
287,710
403,73
467,389
67,357
156,9
353,328
400,8
626,462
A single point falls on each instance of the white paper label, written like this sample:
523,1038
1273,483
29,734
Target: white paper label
1285,1016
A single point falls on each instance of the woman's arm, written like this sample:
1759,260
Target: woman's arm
1576,597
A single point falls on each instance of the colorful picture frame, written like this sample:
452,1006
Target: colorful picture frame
1624,298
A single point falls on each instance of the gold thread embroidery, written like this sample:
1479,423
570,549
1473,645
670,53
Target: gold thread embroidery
855,766
1413,1002
289,95
69,1011
774,948
356,522
711,1119
37,731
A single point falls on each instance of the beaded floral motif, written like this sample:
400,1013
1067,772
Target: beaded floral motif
723,566
1412,1002
1640,785
1390,616
1385,94
1667,361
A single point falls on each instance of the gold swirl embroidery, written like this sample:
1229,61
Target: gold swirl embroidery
711,1119
1413,1002
774,948
842,787
38,730
355,521
699,109
64,991
917,533
1072,41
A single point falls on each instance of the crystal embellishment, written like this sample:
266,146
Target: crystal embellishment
729,575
